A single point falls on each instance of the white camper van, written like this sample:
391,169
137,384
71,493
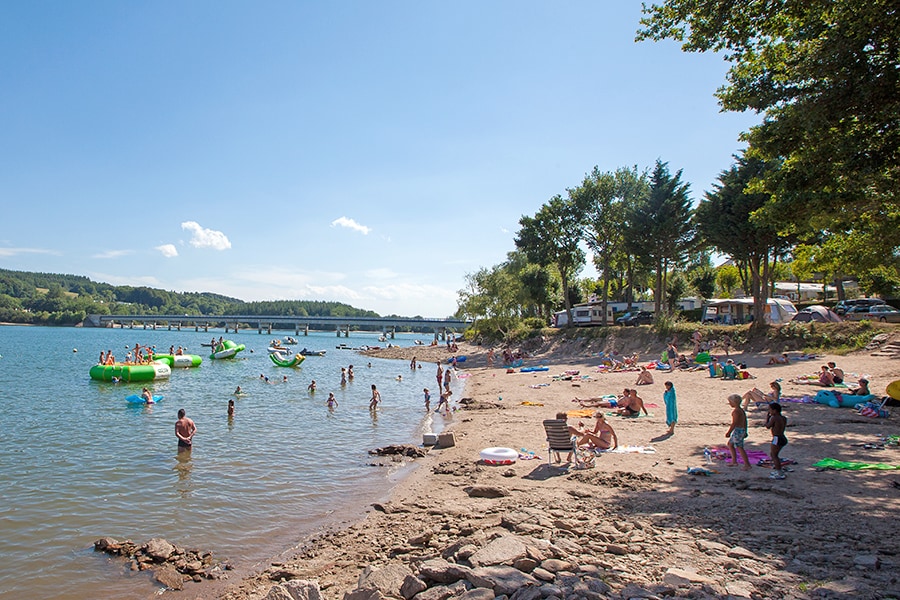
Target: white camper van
584,315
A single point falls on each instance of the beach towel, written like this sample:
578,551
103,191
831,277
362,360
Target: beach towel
529,403
839,465
630,450
581,413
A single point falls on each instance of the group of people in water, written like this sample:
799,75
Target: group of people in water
139,355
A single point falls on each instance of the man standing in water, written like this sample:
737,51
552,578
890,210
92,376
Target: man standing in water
184,431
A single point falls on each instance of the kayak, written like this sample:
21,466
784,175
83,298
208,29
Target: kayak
281,361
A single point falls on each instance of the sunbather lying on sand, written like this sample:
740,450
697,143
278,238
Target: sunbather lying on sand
779,360
757,395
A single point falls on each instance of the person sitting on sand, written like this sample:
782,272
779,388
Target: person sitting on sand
730,370
783,360
758,396
837,374
631,361
826,378
634,406
645,377
604,431
863,389
582,436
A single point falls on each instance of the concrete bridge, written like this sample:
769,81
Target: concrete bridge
265,324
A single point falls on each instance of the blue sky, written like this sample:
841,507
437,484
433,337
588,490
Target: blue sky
372,153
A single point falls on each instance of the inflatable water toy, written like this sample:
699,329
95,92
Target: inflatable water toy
226,349
893,389
179,361
516,363
533,369
128,373
498,456
836,399
702,358
140,399
459,359
278,350
306,352
281,360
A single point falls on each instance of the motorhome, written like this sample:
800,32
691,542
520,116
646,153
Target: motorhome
584,315
735,311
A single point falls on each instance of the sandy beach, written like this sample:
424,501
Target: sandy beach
635,525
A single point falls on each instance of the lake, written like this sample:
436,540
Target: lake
78,462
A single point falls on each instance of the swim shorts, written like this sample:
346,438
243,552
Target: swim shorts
183,444
738,435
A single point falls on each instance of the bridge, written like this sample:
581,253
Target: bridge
266,323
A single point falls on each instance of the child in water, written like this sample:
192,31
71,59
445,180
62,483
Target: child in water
332,402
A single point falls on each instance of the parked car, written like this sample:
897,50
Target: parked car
845,305
879,312
642,317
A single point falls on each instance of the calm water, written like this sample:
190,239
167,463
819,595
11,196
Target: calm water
78,462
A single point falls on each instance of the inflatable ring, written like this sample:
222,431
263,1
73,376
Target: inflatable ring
499,456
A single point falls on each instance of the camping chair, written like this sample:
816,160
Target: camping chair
558,438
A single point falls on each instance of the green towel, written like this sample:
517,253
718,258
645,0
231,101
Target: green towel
832,463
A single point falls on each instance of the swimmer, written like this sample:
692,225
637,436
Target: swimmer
311,387
147,396
332,402
238,391
231,408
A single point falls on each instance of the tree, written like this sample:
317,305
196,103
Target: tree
826,76
552,237
659,225
727,219
603,199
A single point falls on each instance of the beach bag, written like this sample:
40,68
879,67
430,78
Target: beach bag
872,410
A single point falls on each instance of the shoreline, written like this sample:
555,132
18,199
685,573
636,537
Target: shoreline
636,521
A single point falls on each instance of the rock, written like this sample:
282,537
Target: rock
386,579
466,552
712,547
504,550
501,579
513,519
550,591
543,574
554,565
509,473
363,595
486,491
169,577
412,585
526,565
478,594
684,577
597,585
739,552
277,592
616,549
303,589
159,550
438,592
439,570
400,449
739,589
108,545
867,561
527,593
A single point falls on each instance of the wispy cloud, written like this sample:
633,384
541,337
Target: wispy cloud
351,224
16,251
167,250
112,254
206,238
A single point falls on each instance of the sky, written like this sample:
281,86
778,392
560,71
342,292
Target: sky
371,153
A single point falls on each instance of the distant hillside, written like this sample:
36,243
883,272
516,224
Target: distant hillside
53,299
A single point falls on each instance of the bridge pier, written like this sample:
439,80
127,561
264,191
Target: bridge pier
145,325
178,325
393,331
154,325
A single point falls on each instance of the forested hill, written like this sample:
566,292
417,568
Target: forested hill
52,299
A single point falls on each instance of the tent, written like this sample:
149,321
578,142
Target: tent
818,313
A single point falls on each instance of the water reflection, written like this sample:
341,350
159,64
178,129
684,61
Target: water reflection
183,466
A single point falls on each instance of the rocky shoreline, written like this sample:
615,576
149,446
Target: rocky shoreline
635,526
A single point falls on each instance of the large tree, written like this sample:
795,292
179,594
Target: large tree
603,199
659,226
552,237
826,76
727,219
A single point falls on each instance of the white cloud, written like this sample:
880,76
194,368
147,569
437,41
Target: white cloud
167,250
112,254
206,238
351,224
14,251
381,273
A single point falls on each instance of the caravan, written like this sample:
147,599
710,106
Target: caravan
735,311
584,315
